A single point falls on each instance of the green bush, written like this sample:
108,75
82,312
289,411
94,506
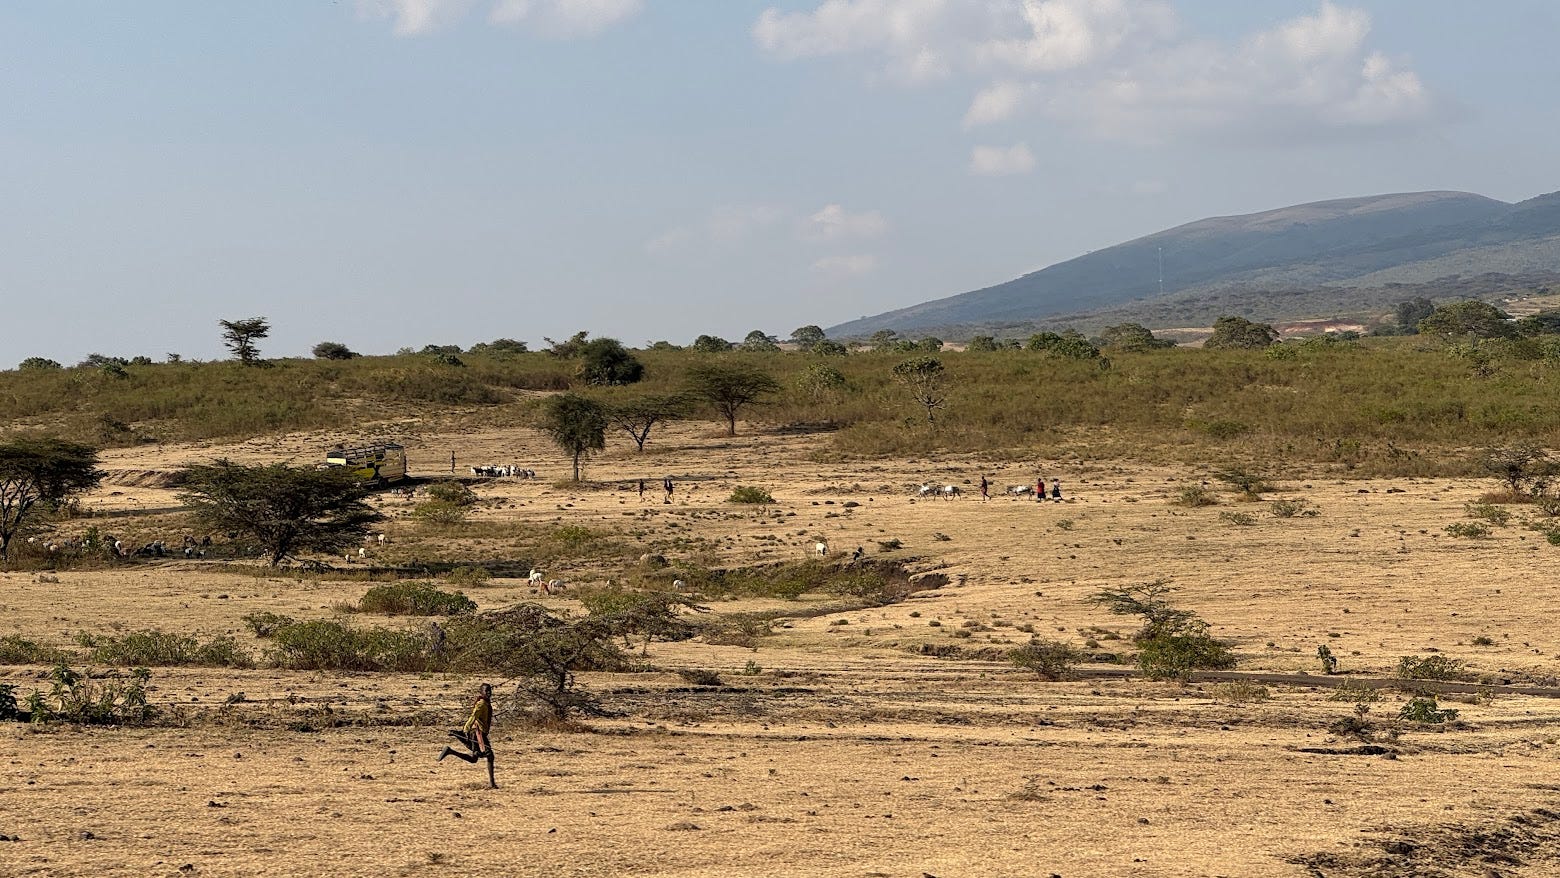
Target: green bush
439,512
327,645
109,701
414,599
1239,519
1050,659
452,492
155,648
1473,530
264,624
1176,656
1424,709
8,710
748,494
18,650
1432,667
1497,515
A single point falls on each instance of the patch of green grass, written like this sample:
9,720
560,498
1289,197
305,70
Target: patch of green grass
414,599
749,494
153,648
18,650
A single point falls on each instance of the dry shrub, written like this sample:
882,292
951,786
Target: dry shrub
1050,659
1241,692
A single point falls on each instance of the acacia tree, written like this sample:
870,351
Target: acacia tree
578,426
34,471
333,350
729,388
286,509
923,377
638,416
239,336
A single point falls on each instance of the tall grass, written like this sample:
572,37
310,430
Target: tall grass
1390,405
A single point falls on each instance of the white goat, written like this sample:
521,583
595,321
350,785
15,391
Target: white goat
821,548
950,492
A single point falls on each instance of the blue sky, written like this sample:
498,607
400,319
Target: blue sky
391,173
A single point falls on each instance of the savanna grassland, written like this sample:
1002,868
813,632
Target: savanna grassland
824,717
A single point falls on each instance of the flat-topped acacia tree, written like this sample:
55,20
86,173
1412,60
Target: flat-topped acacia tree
286,509
728,388
34,471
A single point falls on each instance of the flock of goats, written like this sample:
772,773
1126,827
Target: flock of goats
954,492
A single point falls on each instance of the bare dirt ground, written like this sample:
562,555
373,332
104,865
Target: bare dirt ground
848,752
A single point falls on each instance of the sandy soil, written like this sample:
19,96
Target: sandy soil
848,753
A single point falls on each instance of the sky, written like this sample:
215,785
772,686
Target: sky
390,173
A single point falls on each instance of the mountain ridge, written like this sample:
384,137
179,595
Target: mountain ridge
1337,244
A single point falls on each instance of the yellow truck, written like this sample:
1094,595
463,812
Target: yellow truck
382,463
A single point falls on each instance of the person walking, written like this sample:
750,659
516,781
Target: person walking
641,490
1056,490
985,489
1040,489
667,484
476,733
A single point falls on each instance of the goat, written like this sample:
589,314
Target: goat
926,490
950,492
821,548
1020,490
362,553
535,577
679,585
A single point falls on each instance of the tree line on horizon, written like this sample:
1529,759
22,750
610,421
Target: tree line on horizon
1468,318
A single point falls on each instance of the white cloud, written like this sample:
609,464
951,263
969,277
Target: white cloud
554,18
842,267
411,17
565,18
834,223
723,226
998,103
1122,69
999,161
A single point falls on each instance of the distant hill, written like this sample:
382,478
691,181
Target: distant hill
1310,260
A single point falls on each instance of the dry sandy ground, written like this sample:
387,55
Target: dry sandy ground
848,754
